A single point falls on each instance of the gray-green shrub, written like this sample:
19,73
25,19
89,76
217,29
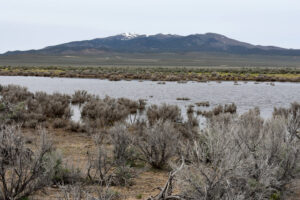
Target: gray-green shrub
23,171
163,112
157,143
243,157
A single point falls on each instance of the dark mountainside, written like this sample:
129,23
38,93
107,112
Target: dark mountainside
160,43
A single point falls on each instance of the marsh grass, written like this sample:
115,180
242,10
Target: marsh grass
183,99
227,108
203,104
161,74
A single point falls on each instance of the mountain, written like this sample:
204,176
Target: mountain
159,43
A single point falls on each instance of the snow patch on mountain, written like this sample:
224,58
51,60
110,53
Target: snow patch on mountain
129,36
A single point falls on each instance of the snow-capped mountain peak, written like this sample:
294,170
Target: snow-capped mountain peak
129,36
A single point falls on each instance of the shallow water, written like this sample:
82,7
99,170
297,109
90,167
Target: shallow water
245,95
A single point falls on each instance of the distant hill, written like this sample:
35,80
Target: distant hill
160,43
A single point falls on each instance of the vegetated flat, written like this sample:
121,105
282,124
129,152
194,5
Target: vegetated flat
159,73
244,95
197,59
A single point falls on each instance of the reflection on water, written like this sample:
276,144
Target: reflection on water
76,113
245,95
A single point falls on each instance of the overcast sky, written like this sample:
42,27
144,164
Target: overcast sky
33,24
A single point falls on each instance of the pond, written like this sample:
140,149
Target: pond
245,95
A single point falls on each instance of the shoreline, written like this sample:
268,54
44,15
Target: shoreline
163,77
158,81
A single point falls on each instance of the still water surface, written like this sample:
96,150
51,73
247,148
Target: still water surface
245,95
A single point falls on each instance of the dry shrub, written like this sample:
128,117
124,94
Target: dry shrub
230,108
31,123
131,105
157,143
22,170
242,158
183,99
123,176
188,129
78,192
190,110
35,109
217,110
104,170
142,104
122,143
76,127
99,166
227,108
104,112
80,97
65,173
15,94
19,113
12,113
60,123
283,112
164,112
13,104
203,103
292,117
293,123
123,154
53,106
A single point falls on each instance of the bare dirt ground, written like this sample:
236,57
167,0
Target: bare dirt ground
74,148
296,188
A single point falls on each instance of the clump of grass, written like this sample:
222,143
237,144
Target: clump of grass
59,123
76,127
202,104
227,108
161,82
183,99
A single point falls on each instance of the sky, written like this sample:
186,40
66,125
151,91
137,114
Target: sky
34,24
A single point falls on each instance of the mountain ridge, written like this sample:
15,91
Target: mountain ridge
159,43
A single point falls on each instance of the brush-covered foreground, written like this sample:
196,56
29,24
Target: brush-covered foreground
123,149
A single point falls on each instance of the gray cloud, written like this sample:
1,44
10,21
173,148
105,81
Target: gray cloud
33,24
